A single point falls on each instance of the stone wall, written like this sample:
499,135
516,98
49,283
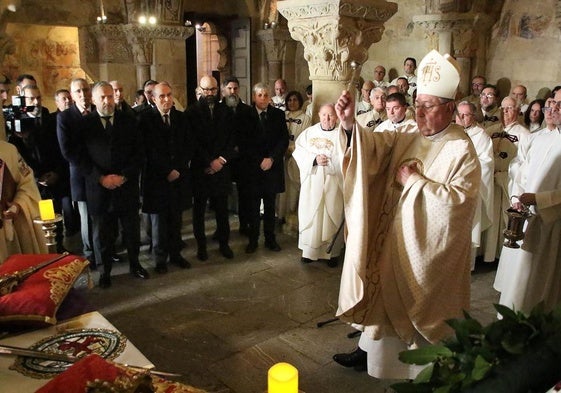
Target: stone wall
50,53
522,46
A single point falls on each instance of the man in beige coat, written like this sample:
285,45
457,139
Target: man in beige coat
409,205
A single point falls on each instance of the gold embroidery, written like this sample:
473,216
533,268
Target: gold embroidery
24,169
62,278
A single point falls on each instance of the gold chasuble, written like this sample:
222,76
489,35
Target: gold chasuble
405,271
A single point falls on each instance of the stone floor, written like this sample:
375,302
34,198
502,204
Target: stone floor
223,323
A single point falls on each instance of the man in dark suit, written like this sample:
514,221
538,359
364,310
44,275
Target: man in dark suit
120,103
261,166
37,144
111,158
165,176
69,127
244,120
149,102
209,122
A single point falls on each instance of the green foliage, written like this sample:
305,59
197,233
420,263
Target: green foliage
474,352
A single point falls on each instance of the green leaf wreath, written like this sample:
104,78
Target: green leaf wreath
517,353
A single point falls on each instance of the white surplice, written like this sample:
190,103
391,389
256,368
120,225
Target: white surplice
484,209
320,209
535,269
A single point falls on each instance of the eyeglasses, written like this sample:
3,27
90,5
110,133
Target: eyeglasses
478,84
546,109
464,114
427,107
487,95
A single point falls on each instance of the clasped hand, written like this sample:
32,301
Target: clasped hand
322,160
112,181
405,171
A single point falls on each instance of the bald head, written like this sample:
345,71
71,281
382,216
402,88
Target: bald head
209,85
327,117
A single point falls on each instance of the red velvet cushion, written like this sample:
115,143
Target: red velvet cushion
94,368
35,301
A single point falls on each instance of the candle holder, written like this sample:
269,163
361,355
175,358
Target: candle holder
49,227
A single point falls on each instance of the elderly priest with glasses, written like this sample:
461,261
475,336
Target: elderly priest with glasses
409,205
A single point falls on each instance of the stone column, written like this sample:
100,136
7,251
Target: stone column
156,52
335,34
278,46
464,36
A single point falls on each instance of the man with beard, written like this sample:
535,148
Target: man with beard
209,122
243,120
320,208
111,157
490,111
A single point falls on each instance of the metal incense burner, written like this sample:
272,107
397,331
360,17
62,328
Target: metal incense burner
515,227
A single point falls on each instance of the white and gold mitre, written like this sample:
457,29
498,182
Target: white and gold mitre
438,75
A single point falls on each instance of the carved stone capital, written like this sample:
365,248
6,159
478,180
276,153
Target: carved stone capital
275,42
111,43
336,32
141,38
466,28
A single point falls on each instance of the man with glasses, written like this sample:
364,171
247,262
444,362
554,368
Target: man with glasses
477,84
364,105
409,205
506,136
533,274
209,122
490,111
509,261
465,116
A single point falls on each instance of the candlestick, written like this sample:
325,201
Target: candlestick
46,209
283,378
49,230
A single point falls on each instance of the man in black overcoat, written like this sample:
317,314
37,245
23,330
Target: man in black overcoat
210,124
111,157
261,152
165,177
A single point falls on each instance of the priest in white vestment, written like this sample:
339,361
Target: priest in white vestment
465,116
18,233
534,270
506,136
409,205
377,114
320,209
399,116
509,261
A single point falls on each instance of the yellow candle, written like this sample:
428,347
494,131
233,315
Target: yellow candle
46,209
283,378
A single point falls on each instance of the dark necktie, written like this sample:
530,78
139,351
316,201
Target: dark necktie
166,120
263,118
490,118
291,120
108,125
